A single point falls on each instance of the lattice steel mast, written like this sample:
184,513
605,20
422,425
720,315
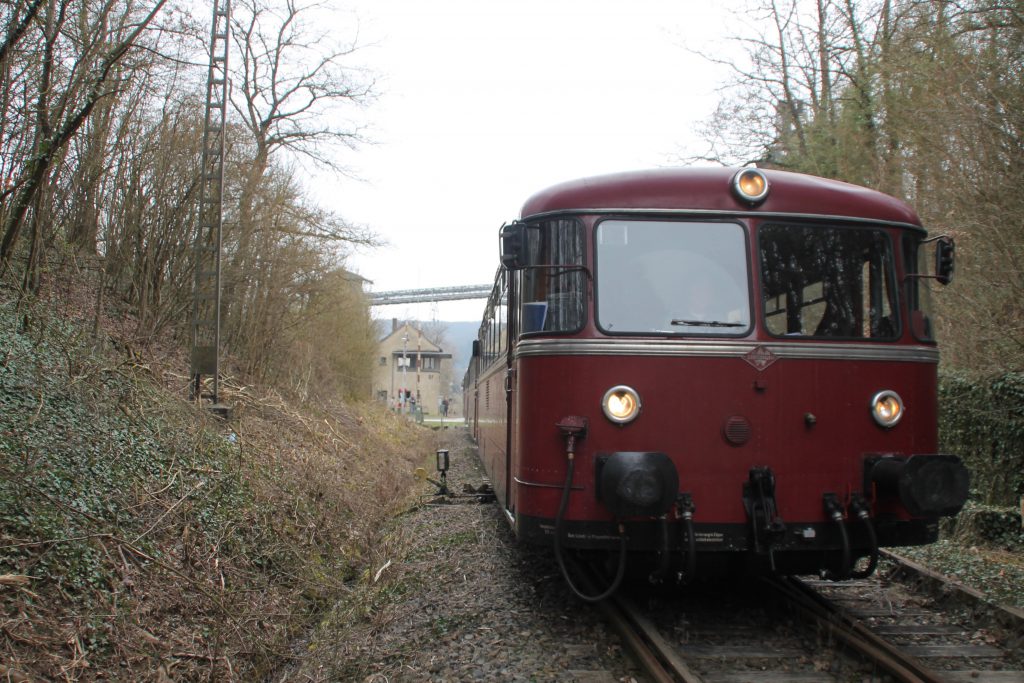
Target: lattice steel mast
206,292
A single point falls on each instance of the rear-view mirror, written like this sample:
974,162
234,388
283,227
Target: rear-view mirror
513,246
944,260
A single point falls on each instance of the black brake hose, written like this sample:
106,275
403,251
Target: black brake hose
844,572
560,527
873,539
664,558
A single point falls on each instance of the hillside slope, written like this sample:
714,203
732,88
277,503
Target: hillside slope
142,539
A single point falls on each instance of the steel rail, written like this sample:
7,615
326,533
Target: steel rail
631,637
850,630
659,660
663,662
662,649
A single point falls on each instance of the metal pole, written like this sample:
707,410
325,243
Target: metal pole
207,246
405,371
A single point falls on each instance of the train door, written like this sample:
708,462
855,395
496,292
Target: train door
511,332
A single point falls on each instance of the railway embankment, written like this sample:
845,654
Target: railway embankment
143,539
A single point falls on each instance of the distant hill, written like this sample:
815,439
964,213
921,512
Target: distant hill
460,336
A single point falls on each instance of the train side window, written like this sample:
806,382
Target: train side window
553,292
918,289
493,335
486,336
824,281
502,311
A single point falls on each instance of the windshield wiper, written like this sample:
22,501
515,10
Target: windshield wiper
707,323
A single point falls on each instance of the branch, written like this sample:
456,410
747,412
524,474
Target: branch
15,32
48,147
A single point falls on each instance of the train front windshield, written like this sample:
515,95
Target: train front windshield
672,277
691,278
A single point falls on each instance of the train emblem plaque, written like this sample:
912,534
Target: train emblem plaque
760,357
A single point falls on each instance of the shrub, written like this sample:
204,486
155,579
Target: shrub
982,421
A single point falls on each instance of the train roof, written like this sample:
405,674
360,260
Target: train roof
708,189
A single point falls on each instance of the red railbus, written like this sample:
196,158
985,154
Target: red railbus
698,369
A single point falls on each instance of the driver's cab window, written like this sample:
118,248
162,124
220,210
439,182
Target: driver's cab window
554,281
672,277
919,289
828,282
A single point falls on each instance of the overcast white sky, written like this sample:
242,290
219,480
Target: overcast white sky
484,102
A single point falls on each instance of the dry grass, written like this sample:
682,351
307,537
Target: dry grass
218,546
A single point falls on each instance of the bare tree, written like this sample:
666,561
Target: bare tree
100,129
65,96
291,90
921,99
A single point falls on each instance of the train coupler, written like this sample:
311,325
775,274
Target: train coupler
684,513
759,501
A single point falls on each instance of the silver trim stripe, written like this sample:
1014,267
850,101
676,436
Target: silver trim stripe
725,349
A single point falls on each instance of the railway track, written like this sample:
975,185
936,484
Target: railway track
802,630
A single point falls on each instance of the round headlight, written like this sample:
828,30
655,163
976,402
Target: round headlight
621,404
887,408
750,185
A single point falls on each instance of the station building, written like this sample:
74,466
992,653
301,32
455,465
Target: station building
408,361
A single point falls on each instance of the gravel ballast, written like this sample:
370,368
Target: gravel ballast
453,598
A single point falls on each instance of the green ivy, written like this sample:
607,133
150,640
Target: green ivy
982,421
998,527
76,468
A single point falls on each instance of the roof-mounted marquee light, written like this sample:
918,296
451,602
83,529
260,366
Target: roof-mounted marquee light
750,185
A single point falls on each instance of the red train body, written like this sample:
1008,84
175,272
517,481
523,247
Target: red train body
708,366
